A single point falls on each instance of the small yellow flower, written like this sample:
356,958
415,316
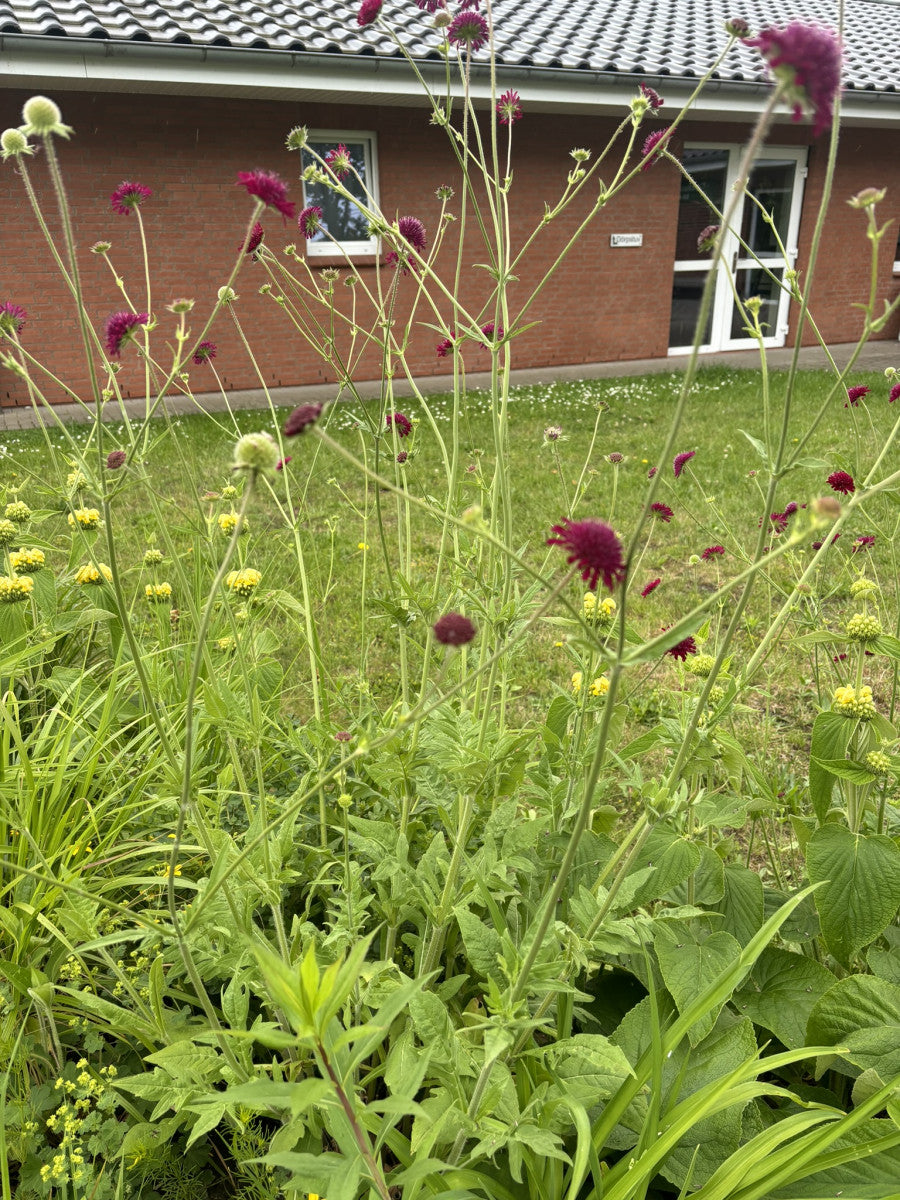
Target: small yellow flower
9,533
600,686
157,593
589,606
13,589
229,492
853,703
577,679
27,562
862,627
225,643
362,545
75,480
244,582
86,518
91,574
227,523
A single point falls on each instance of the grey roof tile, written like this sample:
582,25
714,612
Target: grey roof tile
633,37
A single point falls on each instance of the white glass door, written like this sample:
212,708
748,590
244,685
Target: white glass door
752,262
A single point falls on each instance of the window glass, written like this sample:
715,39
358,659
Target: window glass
343,220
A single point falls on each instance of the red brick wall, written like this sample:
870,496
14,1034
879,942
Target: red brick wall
603,305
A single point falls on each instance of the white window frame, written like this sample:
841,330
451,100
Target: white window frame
368,247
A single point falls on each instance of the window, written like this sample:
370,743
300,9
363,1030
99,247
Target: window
345,223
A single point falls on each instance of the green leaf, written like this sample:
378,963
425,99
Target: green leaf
672,859
689,966
887,645
742,905
862,1013
588,1066
781,993
757,445
861,889
846,768
830,738
482,943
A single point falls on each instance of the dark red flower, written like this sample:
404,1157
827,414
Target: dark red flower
283,462
809,58
468,29
489,331
115,460
310,221
267,186
841,482
453,629
400,422
12,317
652,472
838,657
430,5
338,159
344,735
651,587
656,101
681,461
594,548
301,419
205,351
509,110
683,648
779,520
662,511
368,12
653,147
413,231
706,238
712,551
402,457
861,543
127,197
444,347
895,393
855,394
256,236
119,329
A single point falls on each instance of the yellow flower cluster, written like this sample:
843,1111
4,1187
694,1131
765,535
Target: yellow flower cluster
855,703
27,562
13,589
228,523
243,583
18,511
152,557
863,587
8,532
879,762
85,518
863,627
158,593
599,687
91,574
604,611
75,480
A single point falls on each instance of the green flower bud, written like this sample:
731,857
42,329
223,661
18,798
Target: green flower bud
256,452
13,143
42,118
863,628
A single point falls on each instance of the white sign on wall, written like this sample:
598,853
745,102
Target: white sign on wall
626,239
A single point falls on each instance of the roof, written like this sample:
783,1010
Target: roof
562,40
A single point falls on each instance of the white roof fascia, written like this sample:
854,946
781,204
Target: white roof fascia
95,65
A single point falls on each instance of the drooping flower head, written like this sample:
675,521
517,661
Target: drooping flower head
712,552
413,231
338,159
400,422
862,543
594,548
256,236
683,648
204,352
895,393
706,238
509,109
651,587
368,12
855,394
468,28
310,221
269,188
453,629
681,460
808,59
445,346
662,511
843,483
301,419
430,6
12,317
490,331
127,197
120,329
653,146
656,101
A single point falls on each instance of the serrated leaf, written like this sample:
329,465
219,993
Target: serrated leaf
861,1013
845,768
689,965
742,906
861,886
830,738
781,992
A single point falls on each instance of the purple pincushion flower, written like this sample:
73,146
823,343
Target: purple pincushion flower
468,28
807,58
662,511
712,552
509,109
400,422
895,393
256,236
681,461
368,12
301,418
683,648
413,231
656,101
204,352
310,221
338,160
128,196
12,318
453,629
120,328
651,587
269,188
842,482
855,394
594,548
653,146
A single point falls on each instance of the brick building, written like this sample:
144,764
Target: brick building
182,94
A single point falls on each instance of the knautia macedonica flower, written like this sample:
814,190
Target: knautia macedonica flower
91,574
12,318
120,329
842,482
855,394
255,452
855,703
653,147
662,511
27,562
615,458
683,648
651,587
158,593
656,101
807,58
368,12
283,462
204,352
400,422
430,6
127,197
14,589
862,543
554,433
712,552
9,532
737,27
895,393
18,511
468,29
243,582
84,518
681,460
509,108
453,629
402,457
594,548
256,236
413,231
339,161
269,188
490,331
445,346
115,460
706,238
343,735
301,418
310,221
652,471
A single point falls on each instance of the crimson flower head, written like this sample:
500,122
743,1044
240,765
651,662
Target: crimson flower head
267,186
444,347
653,147
119,329
895,393
12,317
338,159
855,394
841,482
127,197
595,550
656,101
400,422
310,221
283,462
256,236
712,552
662,511
453,629
509,110
344,735
861,543
413,231
706,238
430,6
468,28
369,11
651,587
301,419
683,648
204,352
808,59
115,460
490,331
681,461
652,472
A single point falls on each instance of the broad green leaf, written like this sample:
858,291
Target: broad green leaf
672,858
887,645
830,737
862,1013
781,992
742,905
861,892
588,1066
689,966
846,768
708,881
